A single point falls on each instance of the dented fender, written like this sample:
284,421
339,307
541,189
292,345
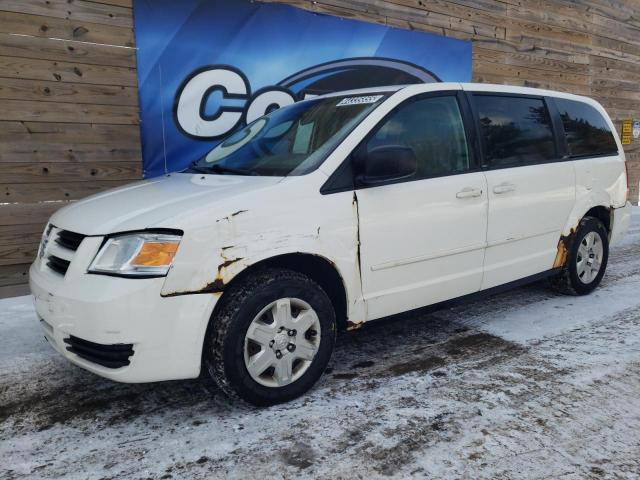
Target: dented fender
212,254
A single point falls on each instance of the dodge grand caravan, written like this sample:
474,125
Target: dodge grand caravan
326,214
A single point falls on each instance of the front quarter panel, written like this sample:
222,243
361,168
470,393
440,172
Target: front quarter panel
292,218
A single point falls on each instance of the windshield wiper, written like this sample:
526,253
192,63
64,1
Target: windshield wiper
196,168
217,168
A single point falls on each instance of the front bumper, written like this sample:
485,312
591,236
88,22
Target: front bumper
166,333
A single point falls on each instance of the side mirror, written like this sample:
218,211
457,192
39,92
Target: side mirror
385,164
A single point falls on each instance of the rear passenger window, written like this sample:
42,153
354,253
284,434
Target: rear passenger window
433,128
585,129
515,130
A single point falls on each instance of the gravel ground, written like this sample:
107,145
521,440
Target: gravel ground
527,384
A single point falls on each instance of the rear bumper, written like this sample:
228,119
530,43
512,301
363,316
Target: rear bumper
621,218
164,334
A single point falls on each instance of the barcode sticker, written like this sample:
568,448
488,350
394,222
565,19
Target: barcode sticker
359,100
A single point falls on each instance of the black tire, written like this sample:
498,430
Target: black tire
568,281
223,354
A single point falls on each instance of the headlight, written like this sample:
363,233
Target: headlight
136,255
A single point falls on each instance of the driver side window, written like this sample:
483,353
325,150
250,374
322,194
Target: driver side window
433,128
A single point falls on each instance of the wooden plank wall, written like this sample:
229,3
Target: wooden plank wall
587,47
68,115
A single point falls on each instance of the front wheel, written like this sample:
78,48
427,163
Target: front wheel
586,259
272,337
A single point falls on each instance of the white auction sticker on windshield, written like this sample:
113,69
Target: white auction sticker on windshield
359,100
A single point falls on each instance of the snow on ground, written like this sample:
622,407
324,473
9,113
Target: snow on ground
527,384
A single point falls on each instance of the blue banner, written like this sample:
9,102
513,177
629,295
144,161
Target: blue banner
208,67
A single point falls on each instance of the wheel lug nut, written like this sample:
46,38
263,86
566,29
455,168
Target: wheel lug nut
271,343
291,333
291,347
278,354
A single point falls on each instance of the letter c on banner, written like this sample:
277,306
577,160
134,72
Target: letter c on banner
192,95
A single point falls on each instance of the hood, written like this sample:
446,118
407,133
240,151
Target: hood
147,203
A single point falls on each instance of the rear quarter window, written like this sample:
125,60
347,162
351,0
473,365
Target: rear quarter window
586,130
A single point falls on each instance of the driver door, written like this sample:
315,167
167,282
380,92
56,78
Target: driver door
423,239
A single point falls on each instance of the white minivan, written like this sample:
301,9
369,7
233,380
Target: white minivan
324,215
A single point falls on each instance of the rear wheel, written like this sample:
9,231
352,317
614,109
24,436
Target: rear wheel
271,338
586,260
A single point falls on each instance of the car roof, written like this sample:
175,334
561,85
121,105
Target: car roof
496,88
470,87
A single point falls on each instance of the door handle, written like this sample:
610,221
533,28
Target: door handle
469,192
504,188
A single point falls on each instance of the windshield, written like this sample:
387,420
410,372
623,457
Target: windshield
293,140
